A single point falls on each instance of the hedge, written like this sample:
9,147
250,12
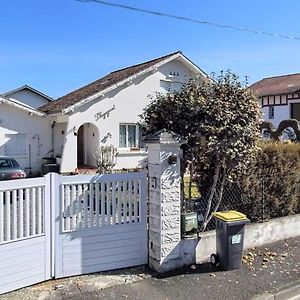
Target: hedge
271,187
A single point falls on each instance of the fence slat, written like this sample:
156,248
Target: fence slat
27,213
135,195
1,218
8,215
73,207
130,200
39,210
140,193
124,202
102,203
43,208
85,199
67,206
119,203
33,211
21,213
113,202
97,203
14,215
108,202
91,202
79,216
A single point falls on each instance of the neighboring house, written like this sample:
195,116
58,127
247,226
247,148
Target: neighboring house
107,111
103,112
25,133
29,96
279,97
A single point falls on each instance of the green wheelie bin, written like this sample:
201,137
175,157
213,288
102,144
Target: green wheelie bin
230,227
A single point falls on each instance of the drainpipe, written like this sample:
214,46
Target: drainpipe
52,137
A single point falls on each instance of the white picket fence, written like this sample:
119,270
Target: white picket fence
57,226
21,209
101,202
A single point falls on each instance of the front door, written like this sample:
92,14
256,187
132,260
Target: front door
295,111
80,146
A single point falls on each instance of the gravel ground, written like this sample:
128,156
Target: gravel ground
61,288
263,270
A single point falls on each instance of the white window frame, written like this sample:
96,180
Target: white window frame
137,134
14,152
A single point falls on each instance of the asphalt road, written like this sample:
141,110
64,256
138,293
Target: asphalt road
264,270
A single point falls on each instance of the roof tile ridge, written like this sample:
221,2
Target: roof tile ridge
278,76
146,62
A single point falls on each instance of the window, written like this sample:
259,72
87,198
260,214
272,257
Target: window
130,136
16,145
271,112
295,111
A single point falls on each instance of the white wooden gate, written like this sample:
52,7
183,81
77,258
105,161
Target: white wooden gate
102,223
58,226
24,233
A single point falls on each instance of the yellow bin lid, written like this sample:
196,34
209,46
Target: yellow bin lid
230,216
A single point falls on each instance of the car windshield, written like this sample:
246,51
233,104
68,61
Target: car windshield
8,163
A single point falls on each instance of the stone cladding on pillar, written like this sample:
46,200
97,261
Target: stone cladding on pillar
164,200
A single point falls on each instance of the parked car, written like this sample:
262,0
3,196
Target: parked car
10,169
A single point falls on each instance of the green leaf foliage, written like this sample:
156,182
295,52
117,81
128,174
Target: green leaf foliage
218,118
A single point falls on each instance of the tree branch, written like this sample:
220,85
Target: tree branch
211,196
220,196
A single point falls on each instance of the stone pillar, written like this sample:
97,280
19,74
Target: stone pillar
164,200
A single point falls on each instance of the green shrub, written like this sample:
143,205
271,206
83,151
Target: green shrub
271,187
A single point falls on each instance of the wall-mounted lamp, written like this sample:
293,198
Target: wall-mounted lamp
74,131
172,159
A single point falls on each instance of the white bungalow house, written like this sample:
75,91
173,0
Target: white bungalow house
103,112
279,97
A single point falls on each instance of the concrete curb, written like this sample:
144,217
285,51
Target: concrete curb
287,292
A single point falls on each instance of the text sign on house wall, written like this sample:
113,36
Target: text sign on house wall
104,115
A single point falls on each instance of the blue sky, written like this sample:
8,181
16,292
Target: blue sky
57,46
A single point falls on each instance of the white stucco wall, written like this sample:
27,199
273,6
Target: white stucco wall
28,97
37,130
59,137
281,112
124,104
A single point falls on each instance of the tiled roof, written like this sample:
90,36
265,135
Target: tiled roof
285,84
99,85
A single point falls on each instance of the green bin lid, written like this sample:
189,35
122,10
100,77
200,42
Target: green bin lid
230,216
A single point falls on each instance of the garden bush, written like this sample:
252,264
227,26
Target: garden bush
271,187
